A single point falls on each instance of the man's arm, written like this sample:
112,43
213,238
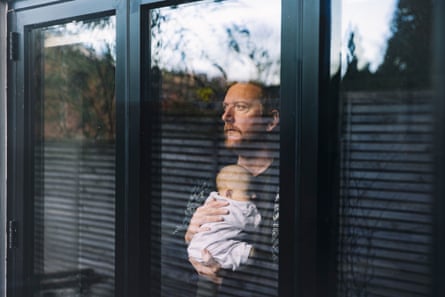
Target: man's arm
211,211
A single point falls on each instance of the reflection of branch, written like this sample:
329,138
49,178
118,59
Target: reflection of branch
107,86
183,46
241,42
359,235
221,69
359,224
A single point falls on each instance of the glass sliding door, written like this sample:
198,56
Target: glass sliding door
213,101
73,124
387,169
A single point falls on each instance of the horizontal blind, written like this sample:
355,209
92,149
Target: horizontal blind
75,216
386,193
189,153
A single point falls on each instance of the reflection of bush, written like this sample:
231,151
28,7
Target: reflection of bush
79,96
184,93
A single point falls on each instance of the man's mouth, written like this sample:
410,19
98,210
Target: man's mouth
231,129
232,134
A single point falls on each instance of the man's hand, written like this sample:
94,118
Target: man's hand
211,211
209,268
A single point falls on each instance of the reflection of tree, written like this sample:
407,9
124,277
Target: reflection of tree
405,69
184,93
177,49
240,41
407,61
79,93
354,78
219,46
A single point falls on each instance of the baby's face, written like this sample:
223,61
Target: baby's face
235,192
228,193
233,182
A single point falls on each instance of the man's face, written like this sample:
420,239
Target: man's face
242,116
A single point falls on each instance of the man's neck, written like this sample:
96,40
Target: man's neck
257,163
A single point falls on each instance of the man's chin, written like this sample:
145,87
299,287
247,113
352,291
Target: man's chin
239,146
232,145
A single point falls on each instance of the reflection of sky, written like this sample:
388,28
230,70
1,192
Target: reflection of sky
370,20
95,37
206,42
195,39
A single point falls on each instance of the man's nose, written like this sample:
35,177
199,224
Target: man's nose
227,115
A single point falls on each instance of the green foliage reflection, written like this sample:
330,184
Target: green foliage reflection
79,90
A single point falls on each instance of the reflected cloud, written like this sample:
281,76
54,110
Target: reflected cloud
99,36
239,40
370,21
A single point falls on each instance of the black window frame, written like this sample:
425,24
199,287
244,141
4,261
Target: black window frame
300,129
3,73
307,267
23,16
438,72
299,137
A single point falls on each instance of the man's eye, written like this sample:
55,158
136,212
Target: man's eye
241,107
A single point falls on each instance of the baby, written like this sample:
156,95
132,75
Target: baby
225,240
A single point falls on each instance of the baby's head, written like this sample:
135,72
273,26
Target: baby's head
234,182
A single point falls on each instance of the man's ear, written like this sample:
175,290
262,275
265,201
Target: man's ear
274,120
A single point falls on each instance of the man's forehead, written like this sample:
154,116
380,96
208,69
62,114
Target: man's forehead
243,92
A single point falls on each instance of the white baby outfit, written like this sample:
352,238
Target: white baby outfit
225,240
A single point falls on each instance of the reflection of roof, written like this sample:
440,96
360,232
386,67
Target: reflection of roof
81,47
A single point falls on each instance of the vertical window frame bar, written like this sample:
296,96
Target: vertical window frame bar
438,73
299,147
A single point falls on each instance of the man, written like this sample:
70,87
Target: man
251,121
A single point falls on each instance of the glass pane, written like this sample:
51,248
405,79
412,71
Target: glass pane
215,75
386,170
74,166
